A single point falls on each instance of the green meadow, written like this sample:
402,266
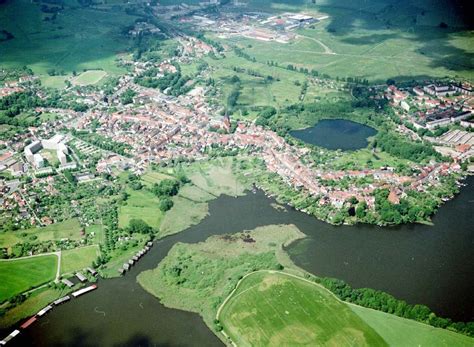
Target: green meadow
17,276
401,332
141,204
78,39
275,309
79,258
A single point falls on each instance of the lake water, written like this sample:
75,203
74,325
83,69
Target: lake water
336,134
431,265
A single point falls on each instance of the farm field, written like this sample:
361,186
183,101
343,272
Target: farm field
401,332
19,275
275,309
89,77
377,41
78,258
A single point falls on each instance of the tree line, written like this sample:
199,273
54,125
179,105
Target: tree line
385,302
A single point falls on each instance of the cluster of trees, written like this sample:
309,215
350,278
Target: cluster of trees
127,96
168,188
382,301
234,94
164,191
264,116
240,53
175,83
25,102
139,226
399,147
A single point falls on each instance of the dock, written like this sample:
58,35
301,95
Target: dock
84,290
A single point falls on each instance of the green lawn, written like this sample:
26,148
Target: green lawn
401,332
17,276
79,258
275,309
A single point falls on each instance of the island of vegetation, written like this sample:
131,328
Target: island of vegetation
250,293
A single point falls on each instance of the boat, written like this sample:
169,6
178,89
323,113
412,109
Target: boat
9,337
84,290
28,322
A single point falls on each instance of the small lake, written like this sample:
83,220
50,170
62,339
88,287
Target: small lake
423,264
336,134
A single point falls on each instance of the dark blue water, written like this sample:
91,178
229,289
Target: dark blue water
336,134
429,265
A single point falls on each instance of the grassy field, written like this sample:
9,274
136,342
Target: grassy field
401,332
197,277
216,177
17,276
275,309
77,259
141,204
89,77
79,38
69,229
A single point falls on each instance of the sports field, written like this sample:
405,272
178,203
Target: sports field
17,276
275,309
78,258
89,77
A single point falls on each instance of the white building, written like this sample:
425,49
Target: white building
38,161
